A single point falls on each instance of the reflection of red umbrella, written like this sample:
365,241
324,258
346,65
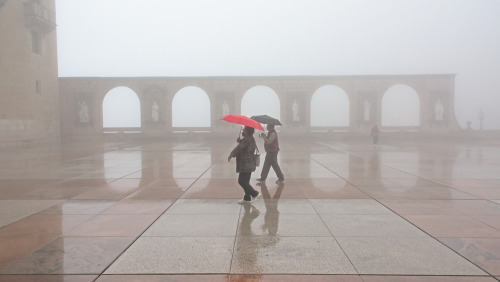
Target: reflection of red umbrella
243,120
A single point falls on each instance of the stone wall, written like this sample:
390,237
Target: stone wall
29,91
230,90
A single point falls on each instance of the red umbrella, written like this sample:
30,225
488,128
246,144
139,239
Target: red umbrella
243,120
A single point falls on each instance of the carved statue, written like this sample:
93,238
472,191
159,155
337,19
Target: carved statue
84,112
155,112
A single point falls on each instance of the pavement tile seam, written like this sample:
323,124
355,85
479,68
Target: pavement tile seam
485,223
483,256
431,237
307,211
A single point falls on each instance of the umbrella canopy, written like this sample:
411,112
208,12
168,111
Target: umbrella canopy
243,120
266,119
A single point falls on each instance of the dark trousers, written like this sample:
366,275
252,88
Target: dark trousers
244,181
271,160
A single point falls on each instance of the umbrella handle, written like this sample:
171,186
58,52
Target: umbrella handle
239,135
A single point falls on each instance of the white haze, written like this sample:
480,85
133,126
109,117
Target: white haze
290,37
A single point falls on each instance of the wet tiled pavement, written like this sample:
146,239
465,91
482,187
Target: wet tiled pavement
168,211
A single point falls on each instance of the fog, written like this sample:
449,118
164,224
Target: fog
290,37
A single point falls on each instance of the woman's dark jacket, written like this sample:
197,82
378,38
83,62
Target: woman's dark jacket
244,154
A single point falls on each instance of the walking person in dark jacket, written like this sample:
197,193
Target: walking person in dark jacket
245,163
271,145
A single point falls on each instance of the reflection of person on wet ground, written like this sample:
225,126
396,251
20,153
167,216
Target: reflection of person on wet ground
271,219
374,164
248,243
250,214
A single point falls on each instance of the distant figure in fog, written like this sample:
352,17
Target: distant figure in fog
375,132
245,163
468,129
272,148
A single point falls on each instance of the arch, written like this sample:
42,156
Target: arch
191,108
261,100
90,92
121,107
400,106
330,107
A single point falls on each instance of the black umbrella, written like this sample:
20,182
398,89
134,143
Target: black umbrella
266,119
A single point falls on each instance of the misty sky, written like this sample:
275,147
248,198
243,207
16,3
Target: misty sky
289,37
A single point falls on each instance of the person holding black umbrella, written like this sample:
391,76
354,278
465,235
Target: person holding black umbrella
245,163
271,145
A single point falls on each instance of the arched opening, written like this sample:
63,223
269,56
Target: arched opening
400,106
121,108
191,108
260,100
329,107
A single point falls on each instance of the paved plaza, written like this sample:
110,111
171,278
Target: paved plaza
166,210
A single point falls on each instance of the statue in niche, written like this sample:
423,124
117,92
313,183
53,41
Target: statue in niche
155,112
295,111
225,108
366,110
438,111
83,112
